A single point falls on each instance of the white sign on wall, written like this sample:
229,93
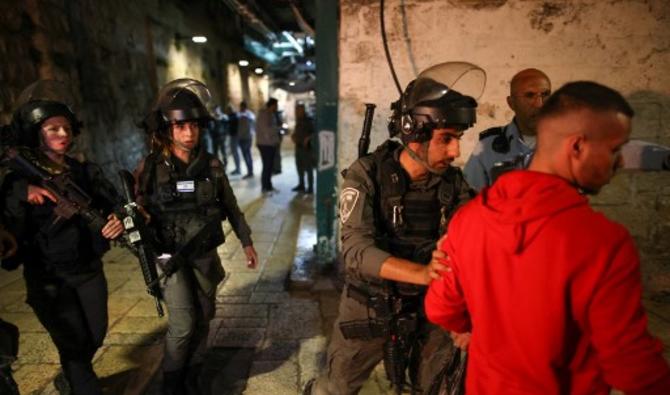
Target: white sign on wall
326,149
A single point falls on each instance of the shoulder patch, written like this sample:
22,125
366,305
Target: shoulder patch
348,200
491,132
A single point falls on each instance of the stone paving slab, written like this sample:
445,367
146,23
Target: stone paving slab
270,297
8,277
139,325
239,284
33,378
239,337
244,322
295,320
223,299
25,321
135,339
277,350
276,377
10,299
311,358
242,310
37,348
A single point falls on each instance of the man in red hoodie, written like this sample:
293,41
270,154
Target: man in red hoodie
549,288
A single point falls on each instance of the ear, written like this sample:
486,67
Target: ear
510,103
575,144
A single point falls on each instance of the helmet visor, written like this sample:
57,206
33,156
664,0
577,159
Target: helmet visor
47,91
184,99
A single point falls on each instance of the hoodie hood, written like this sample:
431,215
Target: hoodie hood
521,202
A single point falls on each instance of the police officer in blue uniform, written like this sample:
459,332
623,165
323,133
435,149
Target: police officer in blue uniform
511,146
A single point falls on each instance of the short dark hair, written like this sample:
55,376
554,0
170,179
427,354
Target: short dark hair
585,94
271,101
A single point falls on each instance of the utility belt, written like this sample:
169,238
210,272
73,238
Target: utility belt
393,315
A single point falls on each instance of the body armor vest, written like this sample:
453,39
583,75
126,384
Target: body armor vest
182,203
410,219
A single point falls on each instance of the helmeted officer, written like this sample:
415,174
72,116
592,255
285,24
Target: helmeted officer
65,283
187,194
511,146
394,205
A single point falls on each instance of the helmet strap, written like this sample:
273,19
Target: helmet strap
415,156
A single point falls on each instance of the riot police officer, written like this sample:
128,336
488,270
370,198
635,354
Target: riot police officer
65,283
394,205
187,195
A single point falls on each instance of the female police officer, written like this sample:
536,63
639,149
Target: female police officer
187,195
65,284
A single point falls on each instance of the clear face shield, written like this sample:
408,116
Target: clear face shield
185,99
44,99
445,95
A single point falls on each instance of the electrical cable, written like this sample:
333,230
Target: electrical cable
386,47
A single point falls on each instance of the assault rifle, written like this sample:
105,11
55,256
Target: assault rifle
136,235
194,247
402,324
70,198
395,320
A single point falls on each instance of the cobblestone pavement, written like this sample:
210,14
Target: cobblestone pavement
264,339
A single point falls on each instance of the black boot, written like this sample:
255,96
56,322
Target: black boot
173,383
7,384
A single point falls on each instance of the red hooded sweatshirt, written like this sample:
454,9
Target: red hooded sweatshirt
551,292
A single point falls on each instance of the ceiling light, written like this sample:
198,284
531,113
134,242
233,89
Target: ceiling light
243,63
258,70
292,83
199,39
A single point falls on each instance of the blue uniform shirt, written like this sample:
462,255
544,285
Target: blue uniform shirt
477,170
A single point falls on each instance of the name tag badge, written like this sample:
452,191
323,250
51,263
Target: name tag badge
186,186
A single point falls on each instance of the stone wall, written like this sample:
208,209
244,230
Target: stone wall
623,44
115,56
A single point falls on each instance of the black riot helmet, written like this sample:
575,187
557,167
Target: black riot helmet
432,101
40,101
181,100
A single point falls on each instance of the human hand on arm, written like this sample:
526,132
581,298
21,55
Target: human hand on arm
113,228
461,340
439,262
37,195
252,256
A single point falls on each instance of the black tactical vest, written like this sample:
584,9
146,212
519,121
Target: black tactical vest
412,218
181,203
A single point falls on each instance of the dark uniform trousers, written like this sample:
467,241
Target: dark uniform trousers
189,294
351,361
76,319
